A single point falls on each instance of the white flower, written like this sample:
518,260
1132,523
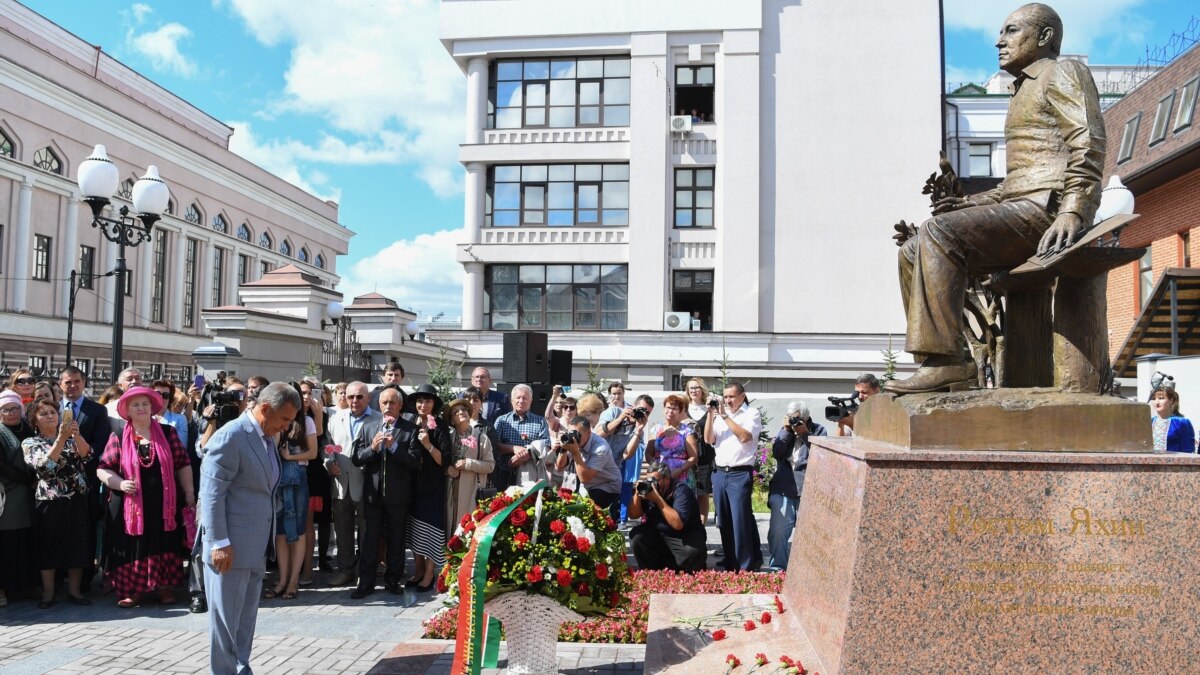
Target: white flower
515,491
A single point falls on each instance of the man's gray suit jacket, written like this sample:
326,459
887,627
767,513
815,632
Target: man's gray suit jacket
237,493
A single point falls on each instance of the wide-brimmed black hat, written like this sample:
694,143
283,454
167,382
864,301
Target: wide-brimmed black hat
425,391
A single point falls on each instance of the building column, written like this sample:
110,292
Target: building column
69,254
473,200
145,282
472,318
24,250
205,285
477,98
231,277
176,281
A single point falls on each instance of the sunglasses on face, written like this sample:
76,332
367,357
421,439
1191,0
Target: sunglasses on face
24,380
354,396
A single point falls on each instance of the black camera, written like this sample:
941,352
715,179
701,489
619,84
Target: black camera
227,404
639,414
842,407
714,403
644,487
795,421
567,438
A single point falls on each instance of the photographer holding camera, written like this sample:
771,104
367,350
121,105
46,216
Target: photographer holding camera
865,386
587,459
222,401
672,537
790,451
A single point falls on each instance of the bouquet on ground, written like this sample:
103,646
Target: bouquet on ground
562,546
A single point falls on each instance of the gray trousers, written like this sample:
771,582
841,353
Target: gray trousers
232,614
347,514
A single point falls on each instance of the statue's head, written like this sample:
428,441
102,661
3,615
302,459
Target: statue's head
1032,32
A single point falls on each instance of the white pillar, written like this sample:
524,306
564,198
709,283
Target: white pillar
145,280
472,318
69,253
175,281
473,200
23,250
477,98
231,276
204,288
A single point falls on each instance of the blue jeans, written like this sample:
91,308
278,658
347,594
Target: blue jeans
292,518
779,533
626,497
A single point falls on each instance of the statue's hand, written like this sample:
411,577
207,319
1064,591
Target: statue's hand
1062,233
947,204
904,232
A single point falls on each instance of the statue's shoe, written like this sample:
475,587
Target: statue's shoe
928,379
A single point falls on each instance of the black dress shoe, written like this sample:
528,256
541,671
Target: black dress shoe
361,592
78,600
426,589
412,583
45,604
199,605
394,588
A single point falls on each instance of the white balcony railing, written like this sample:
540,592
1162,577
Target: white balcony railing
588,135
564,235
693,250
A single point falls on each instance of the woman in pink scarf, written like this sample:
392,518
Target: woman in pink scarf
145,468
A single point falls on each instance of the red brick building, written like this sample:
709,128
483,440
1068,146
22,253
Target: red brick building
1154,146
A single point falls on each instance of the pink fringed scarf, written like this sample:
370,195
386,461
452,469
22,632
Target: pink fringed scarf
131,468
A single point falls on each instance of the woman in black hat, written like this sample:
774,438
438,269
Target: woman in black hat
427,516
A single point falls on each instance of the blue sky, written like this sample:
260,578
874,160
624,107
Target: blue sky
357,101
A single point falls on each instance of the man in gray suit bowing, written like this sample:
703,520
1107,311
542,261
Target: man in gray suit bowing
237,516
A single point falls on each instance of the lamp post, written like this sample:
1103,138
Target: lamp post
75,286
335,312
98,178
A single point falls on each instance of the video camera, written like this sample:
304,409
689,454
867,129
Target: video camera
842,407
227,403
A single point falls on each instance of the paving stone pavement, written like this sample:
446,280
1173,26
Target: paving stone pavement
322,632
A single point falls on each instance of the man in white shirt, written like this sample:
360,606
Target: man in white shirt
733,431
130,377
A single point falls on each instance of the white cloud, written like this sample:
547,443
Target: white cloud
140,12
1086,23
282,158
418,273
161,46
375,71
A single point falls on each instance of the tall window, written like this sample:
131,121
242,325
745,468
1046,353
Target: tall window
220,224
1145,278
286,248
694,87
556,297
243,269
193,215
981,159
320,264
264,240
189,284
694,197
218,284
159,282
1159,131
41,257
170,207
1128,137
1187,105
6,146
87,267
125,190
558,93
243,232
558,195
46,160
302,256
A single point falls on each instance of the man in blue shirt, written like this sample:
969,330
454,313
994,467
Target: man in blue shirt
515,431
587,458
672,537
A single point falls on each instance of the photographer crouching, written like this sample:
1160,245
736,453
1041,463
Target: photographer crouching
672,537
586,458
790,451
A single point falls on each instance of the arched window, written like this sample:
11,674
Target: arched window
285,248
126,189
219,223
302,256
244,232
170,207
7,149
320,262
46,160
264,240
192,215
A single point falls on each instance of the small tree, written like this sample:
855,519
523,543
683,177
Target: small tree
442,372
313,369
889,361
595,383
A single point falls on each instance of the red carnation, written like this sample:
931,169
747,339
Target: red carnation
568,541
583,545
760,659
521,539
787,660
601,571
558,526
778,605
519,517
441,583
496,505
494,574
766,618
478,515
733,661
455,543
749,625
582,589
470,526
718,634
465,519
610,523
564,578
534,575
564,494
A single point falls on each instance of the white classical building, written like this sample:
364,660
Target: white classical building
229,222
656,184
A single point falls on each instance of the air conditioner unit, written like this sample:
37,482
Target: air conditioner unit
677,321
681,123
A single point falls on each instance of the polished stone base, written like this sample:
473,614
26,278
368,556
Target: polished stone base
1039,420
990,561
